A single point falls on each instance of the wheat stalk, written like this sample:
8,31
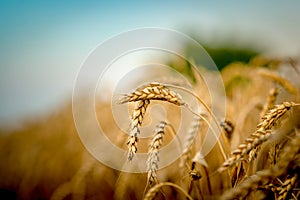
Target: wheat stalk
136,122
290,151
261,134
155,189
153,154
62,191
282,81
221,146
77,185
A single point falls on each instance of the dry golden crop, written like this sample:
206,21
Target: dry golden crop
255,157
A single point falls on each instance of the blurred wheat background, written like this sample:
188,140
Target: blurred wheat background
254,46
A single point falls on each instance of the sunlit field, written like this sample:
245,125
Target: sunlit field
255,157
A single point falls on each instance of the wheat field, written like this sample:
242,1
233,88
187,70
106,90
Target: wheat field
256,155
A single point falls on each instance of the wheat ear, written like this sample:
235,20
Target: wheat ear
286,187
153,91
143,95
268,106
290,151
228,128
155,189
189,140
270,101
261,134
153,154
137,119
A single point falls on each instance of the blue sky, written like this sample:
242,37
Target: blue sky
43,43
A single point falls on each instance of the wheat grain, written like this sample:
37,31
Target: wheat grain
286,187
195,177
153,154
136,122
253,141
228,128
259,136
272,116
268,106
281,191
274,150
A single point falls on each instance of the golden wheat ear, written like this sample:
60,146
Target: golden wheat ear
189,140
262,133
153,91
228,128
143,95
286,162
153,153
136,123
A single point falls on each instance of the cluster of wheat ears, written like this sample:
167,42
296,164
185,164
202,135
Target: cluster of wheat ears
254,154
264,165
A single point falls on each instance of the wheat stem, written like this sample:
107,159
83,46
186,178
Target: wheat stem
212,130
210,112
153,191
282,81
198,99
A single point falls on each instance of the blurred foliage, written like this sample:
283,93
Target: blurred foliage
222,56
185,69
236,81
